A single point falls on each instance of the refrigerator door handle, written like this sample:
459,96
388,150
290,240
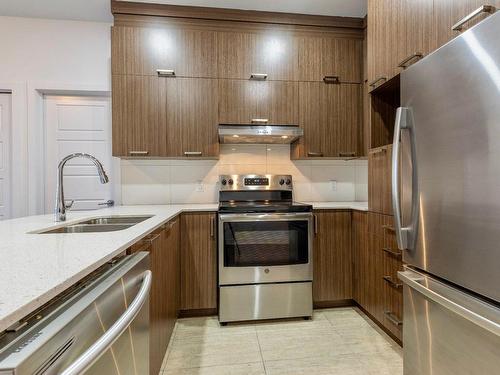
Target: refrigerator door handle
453,300
405,235
92,354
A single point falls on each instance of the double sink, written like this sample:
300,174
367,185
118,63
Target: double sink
100,224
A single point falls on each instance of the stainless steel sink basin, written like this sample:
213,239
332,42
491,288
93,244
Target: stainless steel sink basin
99,225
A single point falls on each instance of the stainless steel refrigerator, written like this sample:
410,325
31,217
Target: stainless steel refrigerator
446,199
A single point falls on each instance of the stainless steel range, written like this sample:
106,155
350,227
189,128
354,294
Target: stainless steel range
265,249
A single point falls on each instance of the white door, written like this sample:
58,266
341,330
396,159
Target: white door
5,180
78,124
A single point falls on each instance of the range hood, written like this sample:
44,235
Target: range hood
259,134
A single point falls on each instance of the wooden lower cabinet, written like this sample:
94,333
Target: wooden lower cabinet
198,261
332,258
163,248
376,263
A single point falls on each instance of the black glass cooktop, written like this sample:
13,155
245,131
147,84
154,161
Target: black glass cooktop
263,206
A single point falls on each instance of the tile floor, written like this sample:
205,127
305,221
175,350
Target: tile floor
336,341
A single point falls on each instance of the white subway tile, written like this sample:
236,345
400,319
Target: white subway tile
242,169
145,184
361,181
278,154
187,179
321,183
242,154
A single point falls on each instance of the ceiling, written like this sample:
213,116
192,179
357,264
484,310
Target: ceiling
99,10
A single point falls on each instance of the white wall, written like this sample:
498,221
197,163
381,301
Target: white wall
195,181
40,56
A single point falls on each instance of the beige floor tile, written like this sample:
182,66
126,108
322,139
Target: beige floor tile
193,327
318,321
256,368
329,365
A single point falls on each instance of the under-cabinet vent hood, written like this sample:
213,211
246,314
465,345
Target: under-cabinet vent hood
263,134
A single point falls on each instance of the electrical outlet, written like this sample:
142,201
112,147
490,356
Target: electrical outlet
199,186
333,184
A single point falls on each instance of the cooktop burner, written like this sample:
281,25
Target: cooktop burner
258,193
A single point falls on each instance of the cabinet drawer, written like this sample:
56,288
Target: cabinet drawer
245,101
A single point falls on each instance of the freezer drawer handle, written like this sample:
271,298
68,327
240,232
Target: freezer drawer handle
392,283
404,121
392,318
414,281
89,357
482,9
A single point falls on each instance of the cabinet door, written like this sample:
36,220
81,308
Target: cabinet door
331,116
332,259
379,180
321,57
198,261
416,16
172,290
448,12
136,130
359,247
241,54
242,101
143,50
188,112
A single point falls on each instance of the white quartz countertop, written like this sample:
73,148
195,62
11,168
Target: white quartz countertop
37,267
358,206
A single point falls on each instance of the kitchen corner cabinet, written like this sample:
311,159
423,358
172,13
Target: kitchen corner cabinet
251,101
332,118
332,259
198,261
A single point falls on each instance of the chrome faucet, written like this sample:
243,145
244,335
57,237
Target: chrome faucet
61,206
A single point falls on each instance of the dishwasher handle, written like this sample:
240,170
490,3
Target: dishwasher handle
92,354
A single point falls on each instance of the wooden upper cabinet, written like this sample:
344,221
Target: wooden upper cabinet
136,130
321,57
241,54
188,113
449,12
242,101
143,50
331,116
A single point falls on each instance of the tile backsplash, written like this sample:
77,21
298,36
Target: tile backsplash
196,181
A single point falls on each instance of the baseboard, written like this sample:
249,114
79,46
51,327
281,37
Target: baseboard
197,313
337,303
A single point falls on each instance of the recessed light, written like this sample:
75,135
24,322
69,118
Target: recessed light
284,136
236,136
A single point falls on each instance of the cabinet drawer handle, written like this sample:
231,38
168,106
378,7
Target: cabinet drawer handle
393,318
259,121
392,283
377,80
165,72
346,154
315,224
258,76
404,63
310,153
192,153
212,226
331,79
482,9
389,228
389,251
138,153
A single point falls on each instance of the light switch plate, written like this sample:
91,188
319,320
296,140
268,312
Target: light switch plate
333,184
199,186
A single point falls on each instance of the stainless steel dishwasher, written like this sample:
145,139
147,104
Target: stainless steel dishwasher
100,326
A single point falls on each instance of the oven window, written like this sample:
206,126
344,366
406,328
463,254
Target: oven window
265,243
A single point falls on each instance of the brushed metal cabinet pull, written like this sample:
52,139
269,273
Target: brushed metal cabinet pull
378,151
389,228
259,121
315,224
482,9
314,154
404,63
165,72
347,154
331,79
192,153
389,251
138,153
376,80
212,227
393,318
258,76
392,283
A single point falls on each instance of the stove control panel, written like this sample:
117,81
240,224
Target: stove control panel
255,182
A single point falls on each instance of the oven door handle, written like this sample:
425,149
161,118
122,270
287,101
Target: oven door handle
266,216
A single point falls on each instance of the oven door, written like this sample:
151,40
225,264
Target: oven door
265,248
